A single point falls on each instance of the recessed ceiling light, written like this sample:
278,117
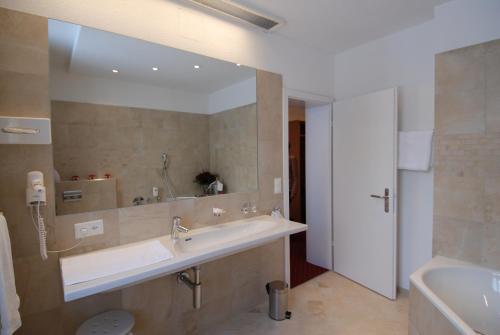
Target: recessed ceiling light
115,71
196,67
238,64
154,68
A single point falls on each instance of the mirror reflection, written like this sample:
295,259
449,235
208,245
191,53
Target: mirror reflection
135,122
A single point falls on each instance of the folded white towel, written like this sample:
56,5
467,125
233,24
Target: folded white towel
107,262
10,320
415,149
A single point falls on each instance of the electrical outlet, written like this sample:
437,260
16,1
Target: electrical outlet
89,228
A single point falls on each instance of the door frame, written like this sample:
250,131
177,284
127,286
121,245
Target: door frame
310,98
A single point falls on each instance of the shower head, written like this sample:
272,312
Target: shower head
164,157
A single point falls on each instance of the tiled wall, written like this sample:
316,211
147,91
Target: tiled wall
467,155
128,143
160,306
233,148
97,194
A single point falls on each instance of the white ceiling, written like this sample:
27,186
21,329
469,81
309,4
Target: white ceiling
96,53
336,25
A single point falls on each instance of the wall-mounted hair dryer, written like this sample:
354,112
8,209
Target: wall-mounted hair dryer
36,196
35,189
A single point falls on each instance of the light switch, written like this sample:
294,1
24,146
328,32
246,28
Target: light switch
277,185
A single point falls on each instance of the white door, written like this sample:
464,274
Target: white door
318,185
364,184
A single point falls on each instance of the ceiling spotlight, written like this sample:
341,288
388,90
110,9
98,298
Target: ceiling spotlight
115,71
238,64
196,67
154,68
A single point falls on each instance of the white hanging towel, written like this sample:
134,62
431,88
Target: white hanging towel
415,150
10,320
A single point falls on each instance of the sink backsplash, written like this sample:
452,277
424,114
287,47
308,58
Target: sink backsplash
132,224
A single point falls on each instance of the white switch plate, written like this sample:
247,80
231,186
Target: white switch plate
277,185
89,228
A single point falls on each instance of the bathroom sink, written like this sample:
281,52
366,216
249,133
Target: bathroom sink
205,238
199,246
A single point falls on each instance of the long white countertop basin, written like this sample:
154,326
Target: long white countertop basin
197,247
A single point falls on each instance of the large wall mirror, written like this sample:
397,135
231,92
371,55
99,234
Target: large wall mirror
135,122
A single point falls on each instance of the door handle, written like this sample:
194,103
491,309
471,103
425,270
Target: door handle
386,198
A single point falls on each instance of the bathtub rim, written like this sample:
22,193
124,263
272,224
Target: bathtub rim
441,262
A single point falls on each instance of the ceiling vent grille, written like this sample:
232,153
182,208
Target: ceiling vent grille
242,13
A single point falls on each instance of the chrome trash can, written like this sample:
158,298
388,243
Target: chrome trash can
278,300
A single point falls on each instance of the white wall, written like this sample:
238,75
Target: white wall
173,24
239,94
66,86
406,59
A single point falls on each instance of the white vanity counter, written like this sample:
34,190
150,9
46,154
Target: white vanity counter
194,248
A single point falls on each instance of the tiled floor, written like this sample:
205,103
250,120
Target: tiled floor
329,304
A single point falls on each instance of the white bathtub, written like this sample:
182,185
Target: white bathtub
467,295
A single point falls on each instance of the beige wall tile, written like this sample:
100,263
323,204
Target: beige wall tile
143,222
461,112
491,246
492,107
467,155
461,70
233,148
74,313
459,197
492,59
65,231
23,95
48,322
22,28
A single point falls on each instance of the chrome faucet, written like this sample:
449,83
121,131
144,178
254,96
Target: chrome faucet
176,227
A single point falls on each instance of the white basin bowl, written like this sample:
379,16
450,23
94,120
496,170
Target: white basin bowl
205,238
